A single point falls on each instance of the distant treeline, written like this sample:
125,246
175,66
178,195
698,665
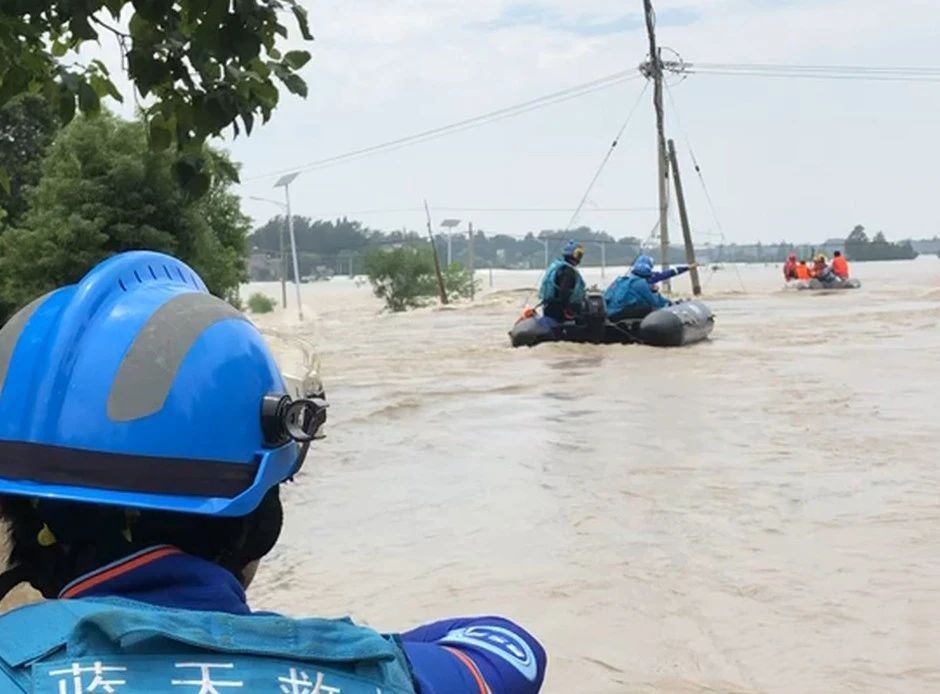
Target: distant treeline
337,243
859,247
341,245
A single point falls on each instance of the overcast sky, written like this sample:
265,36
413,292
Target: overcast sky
782,158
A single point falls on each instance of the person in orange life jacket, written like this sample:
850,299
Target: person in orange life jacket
802,271
840,266
789,268
819,265
821,270
145,432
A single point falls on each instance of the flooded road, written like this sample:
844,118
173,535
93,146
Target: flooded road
758,513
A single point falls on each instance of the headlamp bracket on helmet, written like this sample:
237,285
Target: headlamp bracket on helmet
284,419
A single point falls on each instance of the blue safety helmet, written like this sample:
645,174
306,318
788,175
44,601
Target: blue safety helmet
138,388
573,251
643,266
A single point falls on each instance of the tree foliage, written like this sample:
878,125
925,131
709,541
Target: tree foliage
404,277
27,126
859,247
857,235
103,191
319,240
202,65
261,303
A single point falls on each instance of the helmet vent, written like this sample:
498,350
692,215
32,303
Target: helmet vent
173,274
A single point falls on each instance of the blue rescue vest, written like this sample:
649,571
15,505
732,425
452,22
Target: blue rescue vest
99,645
548,292
631,292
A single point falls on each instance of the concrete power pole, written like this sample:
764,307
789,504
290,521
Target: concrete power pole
656,74
684,218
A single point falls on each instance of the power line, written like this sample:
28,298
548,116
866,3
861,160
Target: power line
820,68
439,208
701,178
817,76
476,121
826,72
610,151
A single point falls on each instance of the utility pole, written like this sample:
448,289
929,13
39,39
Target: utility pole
470,262
284,182
684,218
280,238
655,72
282,263
437,263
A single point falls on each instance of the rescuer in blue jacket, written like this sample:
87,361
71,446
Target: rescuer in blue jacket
563,290
631,295
145,432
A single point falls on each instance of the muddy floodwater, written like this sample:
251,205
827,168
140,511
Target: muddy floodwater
758,513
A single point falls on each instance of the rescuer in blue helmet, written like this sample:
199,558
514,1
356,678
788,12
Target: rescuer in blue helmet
563,290
632,295
145,431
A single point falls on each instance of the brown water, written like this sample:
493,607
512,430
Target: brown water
758,513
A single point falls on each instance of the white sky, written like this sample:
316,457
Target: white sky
783,158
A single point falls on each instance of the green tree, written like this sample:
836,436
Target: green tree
857,235
458,281
404,277
102,192
202,65
27,126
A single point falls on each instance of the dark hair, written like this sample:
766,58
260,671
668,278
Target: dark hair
54,542
836,254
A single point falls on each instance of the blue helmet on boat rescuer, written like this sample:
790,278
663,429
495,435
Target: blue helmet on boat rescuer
563,290
573,252
643,267
145,430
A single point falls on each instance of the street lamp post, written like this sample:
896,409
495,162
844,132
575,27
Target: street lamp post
284,182
280,243
449,224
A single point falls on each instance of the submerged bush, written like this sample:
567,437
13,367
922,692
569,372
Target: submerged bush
404,277
261,303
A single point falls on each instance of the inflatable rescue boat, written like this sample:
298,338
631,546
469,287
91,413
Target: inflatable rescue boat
682,323
819,285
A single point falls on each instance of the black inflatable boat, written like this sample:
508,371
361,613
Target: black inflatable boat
818,285
683,323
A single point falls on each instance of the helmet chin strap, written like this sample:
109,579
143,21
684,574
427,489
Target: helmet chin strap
11,578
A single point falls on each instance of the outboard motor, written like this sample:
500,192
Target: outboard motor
595,317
